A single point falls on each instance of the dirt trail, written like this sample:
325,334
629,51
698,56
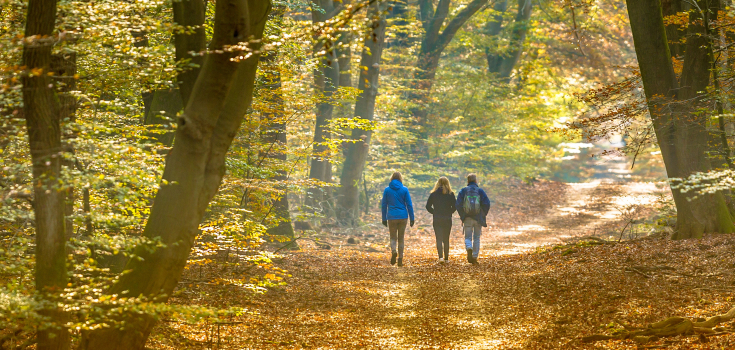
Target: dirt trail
588,209
350,297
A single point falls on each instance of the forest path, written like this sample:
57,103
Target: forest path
596,208
350,297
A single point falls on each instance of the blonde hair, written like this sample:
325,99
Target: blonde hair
397,176
443,184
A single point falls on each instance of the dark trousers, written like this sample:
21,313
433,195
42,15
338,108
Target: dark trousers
397,229
442,229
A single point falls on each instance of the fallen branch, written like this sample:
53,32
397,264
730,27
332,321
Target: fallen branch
669,327
633,269
291,242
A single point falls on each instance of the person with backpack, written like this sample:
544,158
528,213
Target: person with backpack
396,208
472,207
441,205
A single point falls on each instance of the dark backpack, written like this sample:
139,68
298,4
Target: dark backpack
471,204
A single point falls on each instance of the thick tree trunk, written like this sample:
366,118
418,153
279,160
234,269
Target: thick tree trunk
194,170
707,213
327,78
42,113
517,39
681,133
357,152
432,46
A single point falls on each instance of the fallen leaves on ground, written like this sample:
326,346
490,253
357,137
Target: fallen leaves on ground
350,297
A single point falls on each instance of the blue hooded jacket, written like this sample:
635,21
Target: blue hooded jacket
396,203
484,204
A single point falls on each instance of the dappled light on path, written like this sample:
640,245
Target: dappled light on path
589,209
523,295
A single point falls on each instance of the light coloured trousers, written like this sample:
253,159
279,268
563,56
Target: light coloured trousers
472,233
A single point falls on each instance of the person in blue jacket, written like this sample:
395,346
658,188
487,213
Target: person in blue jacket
397,208
472,207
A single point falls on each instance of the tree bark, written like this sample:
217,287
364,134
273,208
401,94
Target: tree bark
164,106
191,14
398,15
42,114
357,152
517,40
276,134
681,132
674,34
64,66
432,46
327,78
193,171
492,29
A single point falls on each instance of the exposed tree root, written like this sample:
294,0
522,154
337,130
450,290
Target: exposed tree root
669,327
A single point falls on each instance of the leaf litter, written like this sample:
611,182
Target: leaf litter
549,297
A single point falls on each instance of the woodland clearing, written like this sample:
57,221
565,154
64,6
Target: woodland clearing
525,294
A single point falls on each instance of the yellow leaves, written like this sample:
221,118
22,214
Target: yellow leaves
36,72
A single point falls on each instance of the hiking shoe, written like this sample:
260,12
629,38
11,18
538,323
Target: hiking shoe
469,255
393,258
441,261
446,261
474,261
400,262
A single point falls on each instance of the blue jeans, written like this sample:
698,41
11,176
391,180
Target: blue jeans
472,233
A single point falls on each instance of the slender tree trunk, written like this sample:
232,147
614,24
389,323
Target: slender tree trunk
357,152
398,16
493,29
189,13
681,133
674,34
42,113
164,106
276,133
344,55
64,66
327,78
194,169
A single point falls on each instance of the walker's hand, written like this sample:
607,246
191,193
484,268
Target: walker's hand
385,223
411,223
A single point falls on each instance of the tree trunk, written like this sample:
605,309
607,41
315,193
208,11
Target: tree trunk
398,15
344,54
189,13
327,78
194,169
276,134
64,66
42,114
517,39
432,46
492,29
357,152
681,133
674,34
165,105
